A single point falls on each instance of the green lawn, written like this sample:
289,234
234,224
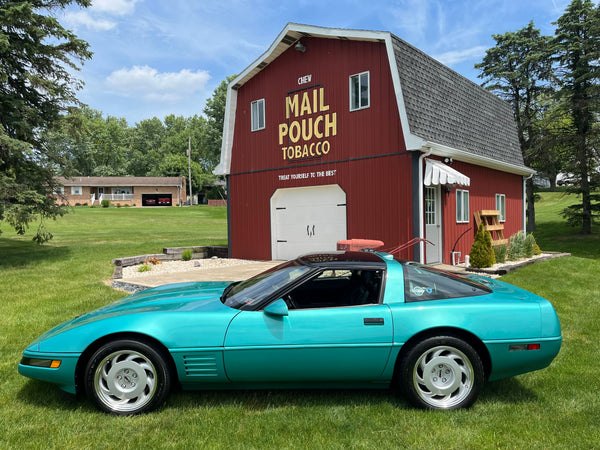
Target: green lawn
40,286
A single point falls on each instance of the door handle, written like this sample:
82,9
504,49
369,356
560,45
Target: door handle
373,321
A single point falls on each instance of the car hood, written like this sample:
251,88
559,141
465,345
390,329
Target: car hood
198,297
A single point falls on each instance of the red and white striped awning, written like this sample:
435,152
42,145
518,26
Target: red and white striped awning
436,172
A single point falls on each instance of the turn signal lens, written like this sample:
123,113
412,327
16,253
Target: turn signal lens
55,364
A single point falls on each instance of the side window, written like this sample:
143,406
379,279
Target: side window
257,115
422,283
501,206
75,190
462,206
334,288
360,91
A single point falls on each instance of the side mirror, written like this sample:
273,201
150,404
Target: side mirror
277,308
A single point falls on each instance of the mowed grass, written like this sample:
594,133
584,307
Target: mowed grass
41,286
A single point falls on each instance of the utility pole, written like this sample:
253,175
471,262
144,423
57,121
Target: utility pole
189,152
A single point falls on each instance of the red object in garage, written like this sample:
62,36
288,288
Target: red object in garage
355,245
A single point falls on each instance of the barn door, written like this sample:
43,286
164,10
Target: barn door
305,220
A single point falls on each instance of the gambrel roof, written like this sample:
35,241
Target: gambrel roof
440,110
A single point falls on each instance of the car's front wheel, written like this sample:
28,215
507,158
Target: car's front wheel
441,372
127,377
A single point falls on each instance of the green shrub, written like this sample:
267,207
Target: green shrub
500,253
105,203
118,205
186,255
516,247
482,252
528,243
144,268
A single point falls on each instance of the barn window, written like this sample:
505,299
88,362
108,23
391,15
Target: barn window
462,206
359,91
257,113
501,206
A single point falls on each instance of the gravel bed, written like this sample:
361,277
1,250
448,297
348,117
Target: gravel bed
181,266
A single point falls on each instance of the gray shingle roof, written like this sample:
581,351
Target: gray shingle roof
447,108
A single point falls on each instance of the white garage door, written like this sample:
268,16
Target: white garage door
305,220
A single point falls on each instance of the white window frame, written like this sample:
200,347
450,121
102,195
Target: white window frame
359,77
76,190
59,190
501,206
257,112
462,206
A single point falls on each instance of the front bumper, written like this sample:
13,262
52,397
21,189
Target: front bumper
34,365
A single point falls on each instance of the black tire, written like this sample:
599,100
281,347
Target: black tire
127,377
441,372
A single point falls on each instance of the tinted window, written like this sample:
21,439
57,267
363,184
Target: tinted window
423,283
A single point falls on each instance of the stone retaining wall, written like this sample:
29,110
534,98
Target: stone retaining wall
169,254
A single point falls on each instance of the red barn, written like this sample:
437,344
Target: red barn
337,134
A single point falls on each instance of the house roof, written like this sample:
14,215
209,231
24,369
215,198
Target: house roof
121,181
440,110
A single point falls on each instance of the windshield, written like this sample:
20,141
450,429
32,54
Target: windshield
256,289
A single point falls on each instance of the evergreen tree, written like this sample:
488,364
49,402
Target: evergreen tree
37,58
518,69
577,51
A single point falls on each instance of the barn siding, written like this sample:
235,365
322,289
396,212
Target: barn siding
369,162
485,184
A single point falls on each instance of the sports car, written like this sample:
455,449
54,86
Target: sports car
330,320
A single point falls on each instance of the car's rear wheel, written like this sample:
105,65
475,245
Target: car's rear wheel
127,377
441,372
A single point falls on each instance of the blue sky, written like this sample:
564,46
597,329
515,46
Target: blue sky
161,57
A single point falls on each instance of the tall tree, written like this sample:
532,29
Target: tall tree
577,47
37,58
518,69
215,113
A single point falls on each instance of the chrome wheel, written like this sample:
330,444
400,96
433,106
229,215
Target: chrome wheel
441,372
443,377
125,381
128,377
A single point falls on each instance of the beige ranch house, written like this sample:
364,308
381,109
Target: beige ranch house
138,191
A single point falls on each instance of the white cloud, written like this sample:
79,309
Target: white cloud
456,56
114,7
151,85
83,18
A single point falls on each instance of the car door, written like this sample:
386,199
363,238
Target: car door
350,343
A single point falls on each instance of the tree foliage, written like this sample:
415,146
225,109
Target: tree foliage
37,58
553,84
577,52
519,69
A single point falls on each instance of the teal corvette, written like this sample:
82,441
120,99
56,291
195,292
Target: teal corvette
331,320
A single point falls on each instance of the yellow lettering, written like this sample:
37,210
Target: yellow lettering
283,149
298,151
322,105
330,124
326,147
305,107
283,131
311,149
307,130
294,132
291,105
318,133
318,151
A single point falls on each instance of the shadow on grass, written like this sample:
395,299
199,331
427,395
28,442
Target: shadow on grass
48,396
559,237
509,390
16,254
